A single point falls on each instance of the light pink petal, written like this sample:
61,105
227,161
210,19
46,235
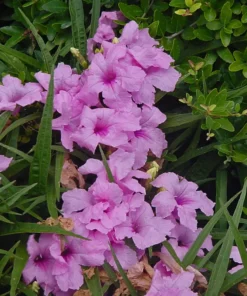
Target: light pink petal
4,162
76,200
165,203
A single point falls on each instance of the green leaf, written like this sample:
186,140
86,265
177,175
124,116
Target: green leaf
4,117
237,66
18,152
233,279
26,227
226,13
175,49
221,194
7,257
153,28
94,284
225,124
15,63
42,155
144,5
19,264
234,24
51,197
107,168
130,11
175,120
58,170
95,17
78,27
225,38
55,6
226,55
214,25
192,253
220,268
5,220
188,34
177,3
244,18
195,7
47,58
123,274
203,34
210,14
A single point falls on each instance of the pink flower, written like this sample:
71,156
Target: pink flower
235,255
121,165
182,238
13,93
181,199
107,75
64,79
4,163
103,126
40,262
166,283
148,137
66,268
144,228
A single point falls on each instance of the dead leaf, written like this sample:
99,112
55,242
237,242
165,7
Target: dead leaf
242,289
70,177
199,277
169,262
66,223
90,272
82,293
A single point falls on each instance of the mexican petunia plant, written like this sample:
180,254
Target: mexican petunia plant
127,210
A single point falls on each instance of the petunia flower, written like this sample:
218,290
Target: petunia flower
13,93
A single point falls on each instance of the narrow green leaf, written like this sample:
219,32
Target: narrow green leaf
220,268
37,201
26,227
58,170
15,63
78,28
45,52
180,120
107,168
192,253
110,271
18,152
94,284
55,6
21,56
4,117
51,197
42,156
5,220
172,252
95,17
221,194
123,274
233,279
6,258
17,123
19,264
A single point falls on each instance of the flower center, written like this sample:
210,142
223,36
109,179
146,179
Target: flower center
101,130
109,77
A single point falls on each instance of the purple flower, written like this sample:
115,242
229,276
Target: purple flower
144,228
182,238
235,255
40,262
180,199
166,283
121,165
13,93
148,137
103,126
4,163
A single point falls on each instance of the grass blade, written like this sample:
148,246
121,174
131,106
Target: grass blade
107,168
192,253
51,197
220,268
17,123
221,194
123,274
58,171
26,227
4,117
95,17
233,279
42,156
48,61
78,28
19,264
6,258
18,152
94,284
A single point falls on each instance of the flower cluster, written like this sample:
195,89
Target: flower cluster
112,103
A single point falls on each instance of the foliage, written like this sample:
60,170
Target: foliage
206,123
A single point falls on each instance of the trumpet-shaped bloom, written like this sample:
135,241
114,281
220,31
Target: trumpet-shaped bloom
121,165
13,93
4,162
181,199
103,126
166,283
144,228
